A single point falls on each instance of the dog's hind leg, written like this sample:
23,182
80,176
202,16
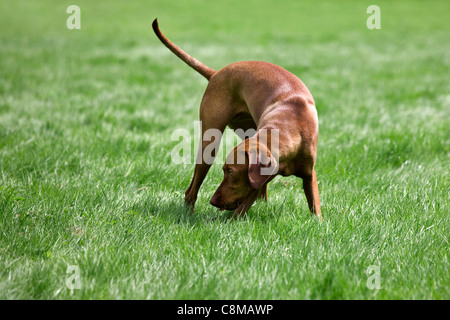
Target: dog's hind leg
201,169
213,124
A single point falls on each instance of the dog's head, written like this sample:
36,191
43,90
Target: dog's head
247,169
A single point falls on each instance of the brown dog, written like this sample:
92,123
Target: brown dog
265,97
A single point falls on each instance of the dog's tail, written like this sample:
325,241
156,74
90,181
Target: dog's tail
200,67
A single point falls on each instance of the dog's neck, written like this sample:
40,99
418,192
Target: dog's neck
274,139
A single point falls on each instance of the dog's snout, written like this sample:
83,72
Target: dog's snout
215,200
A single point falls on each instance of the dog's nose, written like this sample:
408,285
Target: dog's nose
215,201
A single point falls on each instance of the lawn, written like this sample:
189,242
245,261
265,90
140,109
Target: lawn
87,182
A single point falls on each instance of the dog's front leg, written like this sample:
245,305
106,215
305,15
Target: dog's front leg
311,189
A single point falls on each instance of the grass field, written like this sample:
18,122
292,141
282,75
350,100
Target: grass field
86,177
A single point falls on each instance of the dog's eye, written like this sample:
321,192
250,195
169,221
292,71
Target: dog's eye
230,172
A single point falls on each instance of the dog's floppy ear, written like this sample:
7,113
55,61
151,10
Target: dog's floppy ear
262,167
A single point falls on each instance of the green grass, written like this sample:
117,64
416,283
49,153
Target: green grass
86,177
